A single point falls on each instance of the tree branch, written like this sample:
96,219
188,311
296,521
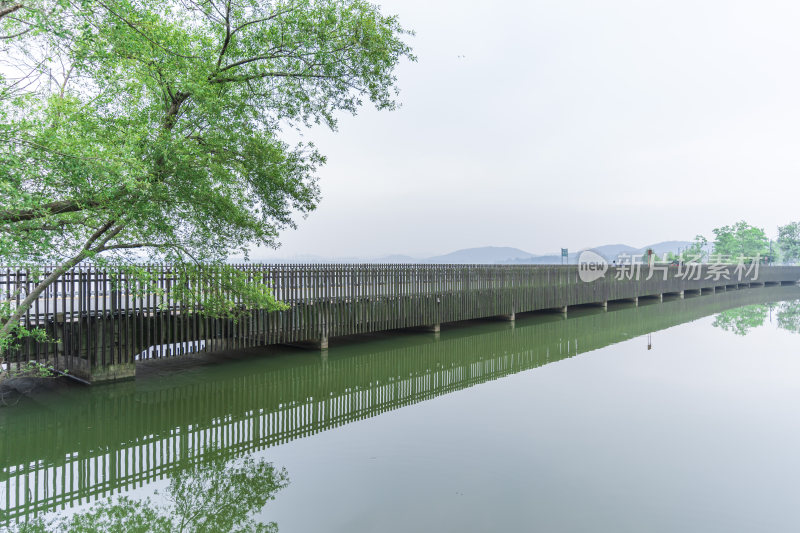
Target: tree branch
227,33
132,245
107,231
53,208
10,9
261,75
265,19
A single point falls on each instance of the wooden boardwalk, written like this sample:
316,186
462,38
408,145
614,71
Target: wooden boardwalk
105,323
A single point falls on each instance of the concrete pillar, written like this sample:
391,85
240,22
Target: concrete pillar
507,318
430,328
661,297
562,310
314,344
680,294
604,305
636,301
110,373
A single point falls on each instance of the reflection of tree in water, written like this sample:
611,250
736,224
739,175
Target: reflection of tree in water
211,495
740,321
788,316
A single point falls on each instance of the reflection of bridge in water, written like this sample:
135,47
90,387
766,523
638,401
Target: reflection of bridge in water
78,447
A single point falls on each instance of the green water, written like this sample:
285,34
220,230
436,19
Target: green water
673,416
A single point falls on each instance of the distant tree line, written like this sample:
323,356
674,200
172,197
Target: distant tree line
742,241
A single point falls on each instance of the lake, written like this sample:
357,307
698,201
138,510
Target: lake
678,415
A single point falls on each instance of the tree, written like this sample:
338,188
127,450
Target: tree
154,128
788,316
697,250
741,320
740,240
789,241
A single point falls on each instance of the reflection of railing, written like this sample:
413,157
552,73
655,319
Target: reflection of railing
104,321
103,441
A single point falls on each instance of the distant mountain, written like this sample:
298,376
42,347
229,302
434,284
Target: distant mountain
488,255
395,258
483,256
551,259
612,251
295,259
667,246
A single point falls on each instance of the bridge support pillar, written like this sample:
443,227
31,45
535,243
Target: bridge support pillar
314,344
506,318
636,301
80,369
562,310
680,294
429,328
604,305
661,297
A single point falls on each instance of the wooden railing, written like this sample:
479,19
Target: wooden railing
103,322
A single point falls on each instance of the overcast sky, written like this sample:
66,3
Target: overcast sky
571,123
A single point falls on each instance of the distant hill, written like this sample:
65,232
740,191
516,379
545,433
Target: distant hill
493,255
395,258
612,251
483,256
667,246
550,259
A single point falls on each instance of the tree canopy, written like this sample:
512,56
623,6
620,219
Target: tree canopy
156,125
135,129
740,240
789,242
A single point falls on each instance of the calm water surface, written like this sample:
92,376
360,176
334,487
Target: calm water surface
673,416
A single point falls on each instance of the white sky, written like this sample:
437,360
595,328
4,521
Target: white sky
568,123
